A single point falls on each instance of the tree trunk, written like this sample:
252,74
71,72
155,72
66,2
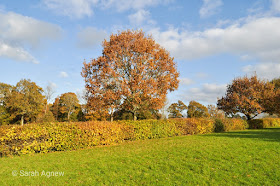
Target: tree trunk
248,117
21,121
46,108
135,117
68,116
112,113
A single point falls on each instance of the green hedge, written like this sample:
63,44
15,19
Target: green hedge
55,136
264,123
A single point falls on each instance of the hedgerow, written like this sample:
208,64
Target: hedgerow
229,124
264,123
60,136
190,126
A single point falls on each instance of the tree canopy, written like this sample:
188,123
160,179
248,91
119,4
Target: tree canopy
276,83
5,115
68,103
175,109
197,110
250,96
133,73
25,100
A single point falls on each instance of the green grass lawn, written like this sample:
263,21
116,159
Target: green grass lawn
244,157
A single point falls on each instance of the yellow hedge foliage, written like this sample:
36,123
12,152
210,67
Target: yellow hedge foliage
264,123
55,136
230,124
189,126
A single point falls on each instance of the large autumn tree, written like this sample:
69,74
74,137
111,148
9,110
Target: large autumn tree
25,100
250,96
133,73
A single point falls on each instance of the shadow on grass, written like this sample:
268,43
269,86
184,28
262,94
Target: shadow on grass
269,134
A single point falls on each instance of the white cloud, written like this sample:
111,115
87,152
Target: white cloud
207,93
71,8
20,29
186,81
201,75
81,8
16,53
63,74
264,70
52,85
122,5
275,5
258,38
18,32
139,17
209,7
90,37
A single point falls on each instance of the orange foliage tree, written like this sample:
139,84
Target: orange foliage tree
250,96
133,73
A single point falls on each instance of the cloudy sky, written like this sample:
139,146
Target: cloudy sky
212,41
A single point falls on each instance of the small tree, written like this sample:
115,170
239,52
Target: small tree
197,110
55,108
134,73
26,99
214,112
68,103
176,109
48,92
250,96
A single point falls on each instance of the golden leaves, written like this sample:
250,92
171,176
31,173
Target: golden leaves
132,72
249,96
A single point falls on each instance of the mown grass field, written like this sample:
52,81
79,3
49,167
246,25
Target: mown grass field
244,157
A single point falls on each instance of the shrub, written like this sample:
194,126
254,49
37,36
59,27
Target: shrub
219,125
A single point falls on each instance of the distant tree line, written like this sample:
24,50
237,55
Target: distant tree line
246,97
26,102
193,110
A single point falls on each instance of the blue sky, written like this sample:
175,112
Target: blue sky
212,41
